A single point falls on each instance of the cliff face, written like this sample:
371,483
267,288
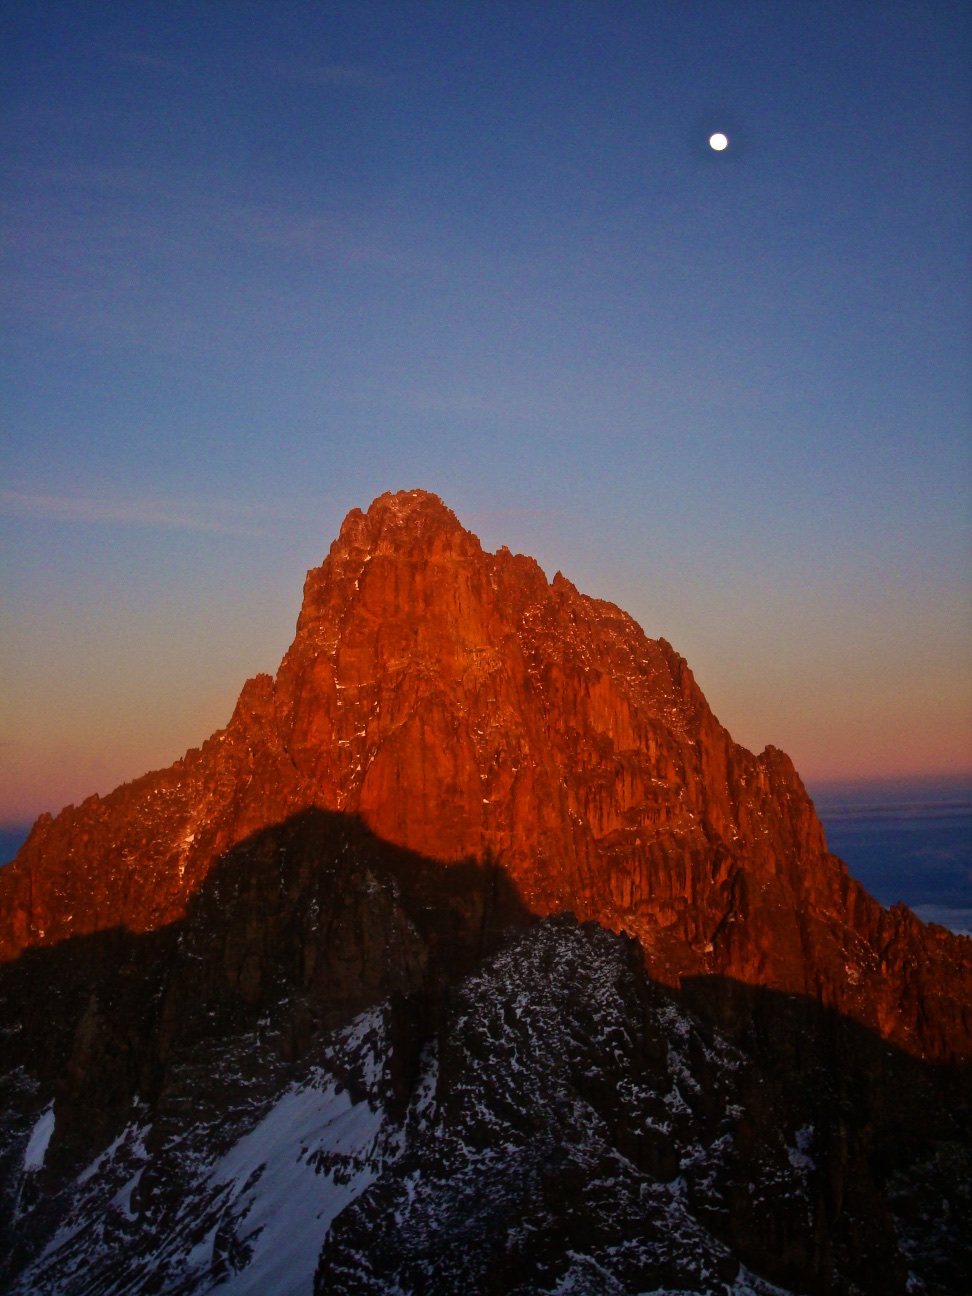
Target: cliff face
464,708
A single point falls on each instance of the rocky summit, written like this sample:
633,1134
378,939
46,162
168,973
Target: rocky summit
472,956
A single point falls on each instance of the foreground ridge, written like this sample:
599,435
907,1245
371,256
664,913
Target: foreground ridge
568,1126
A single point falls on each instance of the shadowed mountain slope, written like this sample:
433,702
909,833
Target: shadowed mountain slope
350,1068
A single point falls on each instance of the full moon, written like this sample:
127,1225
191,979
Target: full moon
718,141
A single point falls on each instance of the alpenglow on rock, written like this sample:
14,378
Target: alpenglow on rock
466,709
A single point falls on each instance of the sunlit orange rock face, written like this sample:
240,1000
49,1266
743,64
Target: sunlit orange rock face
465,707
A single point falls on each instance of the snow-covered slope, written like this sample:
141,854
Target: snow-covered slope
237,1199
568,1127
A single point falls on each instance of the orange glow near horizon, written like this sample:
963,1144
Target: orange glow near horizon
85,719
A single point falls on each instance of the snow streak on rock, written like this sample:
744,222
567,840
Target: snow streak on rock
312,1154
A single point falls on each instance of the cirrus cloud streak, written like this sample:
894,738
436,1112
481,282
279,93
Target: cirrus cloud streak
170,514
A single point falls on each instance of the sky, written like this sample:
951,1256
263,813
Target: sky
264,261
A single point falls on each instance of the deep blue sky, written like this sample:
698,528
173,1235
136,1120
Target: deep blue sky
264,261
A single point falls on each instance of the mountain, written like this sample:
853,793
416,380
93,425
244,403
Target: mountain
307,1002
465,708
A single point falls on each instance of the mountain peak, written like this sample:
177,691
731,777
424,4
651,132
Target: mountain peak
413,521
409,504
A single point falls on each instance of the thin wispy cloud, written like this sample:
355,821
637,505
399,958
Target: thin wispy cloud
167,514
111,256
157,183
350,75
141,59
102,226
479,517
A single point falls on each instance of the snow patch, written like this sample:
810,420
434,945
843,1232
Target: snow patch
748,1284
800,1157
90,1171
123,1198
289,1177
40,1136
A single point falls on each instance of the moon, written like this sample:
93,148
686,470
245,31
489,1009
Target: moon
718,141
